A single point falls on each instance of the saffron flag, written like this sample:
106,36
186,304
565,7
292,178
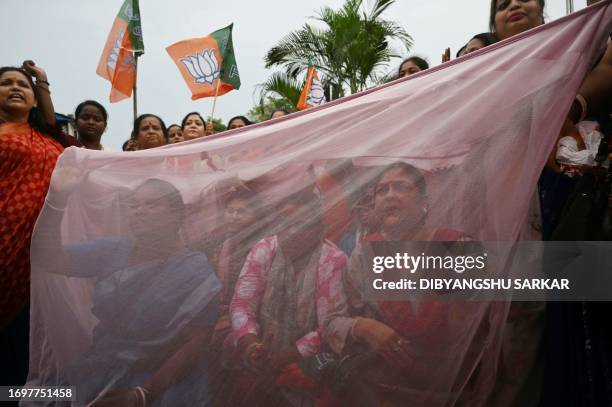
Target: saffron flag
312,94
117,63
207,62
134,259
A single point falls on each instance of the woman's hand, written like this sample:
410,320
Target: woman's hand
446,55
384,340
132,145
568,129
35,71
64,180
210,130
254,353
395,350
42,92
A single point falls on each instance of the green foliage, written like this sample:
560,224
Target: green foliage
267,106
281,86
350,51
217,124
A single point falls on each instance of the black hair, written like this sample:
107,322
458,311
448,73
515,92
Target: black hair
93,103
246,121
124,146
140,118
174,125
414,173
244,193
486,38
190,114
458,54
278,110
237,192
493,12
35,117
169,193
418,61
305,198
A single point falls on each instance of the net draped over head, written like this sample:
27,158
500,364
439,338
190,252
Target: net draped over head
158,245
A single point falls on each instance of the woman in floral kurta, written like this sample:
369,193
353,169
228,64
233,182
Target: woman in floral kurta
251,291
287,287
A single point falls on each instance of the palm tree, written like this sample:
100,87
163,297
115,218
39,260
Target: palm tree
282,86
348,51
279,92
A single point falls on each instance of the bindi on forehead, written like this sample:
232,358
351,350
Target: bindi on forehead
150,121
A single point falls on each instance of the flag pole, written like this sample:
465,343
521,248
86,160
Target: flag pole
569,6
212,113
135,98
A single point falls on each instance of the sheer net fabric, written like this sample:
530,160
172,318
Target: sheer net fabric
141,266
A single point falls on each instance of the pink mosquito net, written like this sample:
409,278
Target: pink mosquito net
197,271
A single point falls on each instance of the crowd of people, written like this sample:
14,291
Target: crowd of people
273,311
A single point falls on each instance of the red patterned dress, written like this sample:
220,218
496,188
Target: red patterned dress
27,159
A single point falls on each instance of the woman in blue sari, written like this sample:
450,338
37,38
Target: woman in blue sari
154,299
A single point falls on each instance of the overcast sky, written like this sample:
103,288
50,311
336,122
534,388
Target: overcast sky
66,38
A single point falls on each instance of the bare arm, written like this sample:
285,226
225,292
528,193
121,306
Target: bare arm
169,374
42,92
174,369
47,243
597,87
596,90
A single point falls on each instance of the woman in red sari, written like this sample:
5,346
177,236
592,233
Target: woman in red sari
30,143
412,352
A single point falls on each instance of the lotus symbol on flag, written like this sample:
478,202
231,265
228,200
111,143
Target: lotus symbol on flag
316,97
113,56
204,67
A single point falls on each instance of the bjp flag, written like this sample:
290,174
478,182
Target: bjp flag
117,63
312,94
207,62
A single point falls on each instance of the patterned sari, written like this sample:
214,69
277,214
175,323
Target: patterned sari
27,159
448,341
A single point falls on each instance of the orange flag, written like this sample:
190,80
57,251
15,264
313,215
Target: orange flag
117,63
207,62
312,94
